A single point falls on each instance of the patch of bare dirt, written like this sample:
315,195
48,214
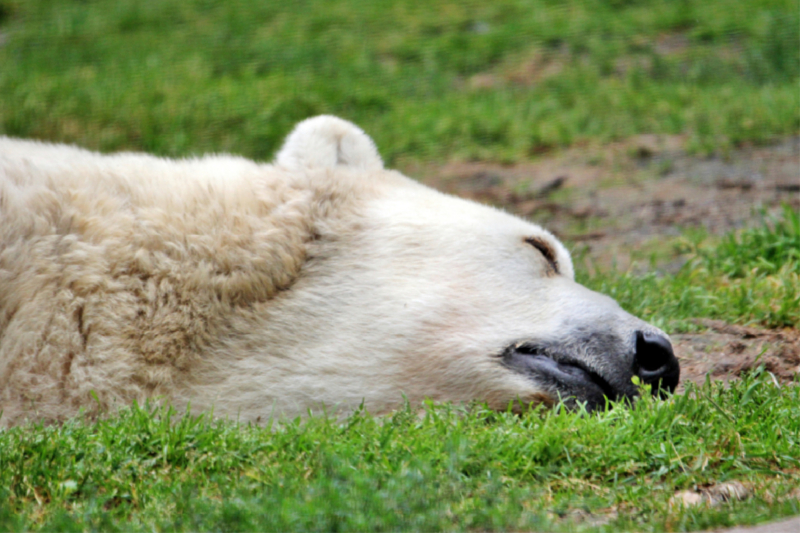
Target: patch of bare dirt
525,71
712,495
619,200
725,351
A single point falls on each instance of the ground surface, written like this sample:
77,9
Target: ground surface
631,201
564,91
791,525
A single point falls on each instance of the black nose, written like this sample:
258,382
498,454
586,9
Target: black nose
655,362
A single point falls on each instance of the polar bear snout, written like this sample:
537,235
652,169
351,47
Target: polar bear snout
595,367
655,362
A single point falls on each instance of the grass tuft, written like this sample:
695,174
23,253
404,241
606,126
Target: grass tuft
765,250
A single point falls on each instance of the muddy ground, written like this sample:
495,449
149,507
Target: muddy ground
623,202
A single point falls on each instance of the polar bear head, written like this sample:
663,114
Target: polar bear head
407,292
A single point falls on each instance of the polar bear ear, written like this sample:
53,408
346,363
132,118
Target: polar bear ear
327,142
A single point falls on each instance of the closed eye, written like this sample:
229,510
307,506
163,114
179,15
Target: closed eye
547,251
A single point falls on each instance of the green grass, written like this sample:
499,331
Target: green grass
502,80
766,250
750,277
448,469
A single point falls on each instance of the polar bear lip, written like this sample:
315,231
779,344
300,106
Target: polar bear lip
570,380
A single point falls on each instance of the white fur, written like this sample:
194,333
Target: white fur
321,281
328,142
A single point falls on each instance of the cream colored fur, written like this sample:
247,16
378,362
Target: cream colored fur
257,290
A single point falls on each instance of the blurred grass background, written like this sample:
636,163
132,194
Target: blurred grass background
500,81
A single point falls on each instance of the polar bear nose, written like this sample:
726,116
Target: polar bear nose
655,362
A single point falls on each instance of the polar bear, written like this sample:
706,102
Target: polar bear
321,281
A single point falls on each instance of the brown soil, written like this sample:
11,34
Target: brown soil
618,202
725,351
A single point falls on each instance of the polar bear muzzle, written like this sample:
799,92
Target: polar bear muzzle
570,373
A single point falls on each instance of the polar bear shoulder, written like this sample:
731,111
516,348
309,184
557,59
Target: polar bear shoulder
122,273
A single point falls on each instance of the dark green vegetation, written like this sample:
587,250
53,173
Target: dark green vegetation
501,80
749,277
449,469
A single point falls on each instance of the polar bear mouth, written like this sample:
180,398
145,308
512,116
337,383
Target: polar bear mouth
567,378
